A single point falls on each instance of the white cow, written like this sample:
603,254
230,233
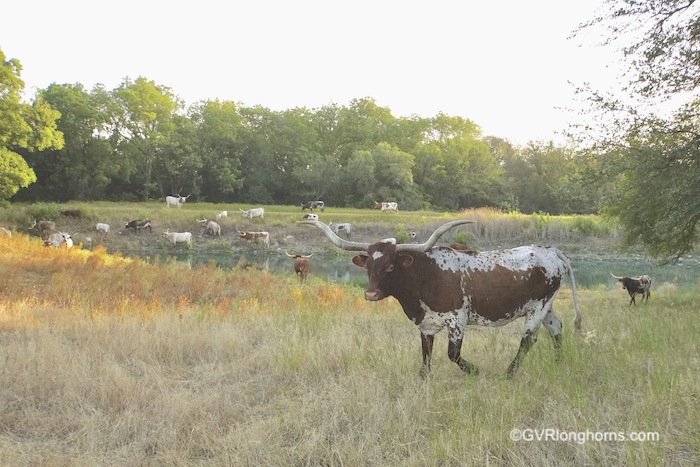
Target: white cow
102,228
251,213
387,206
221,214
175,200
210,226
59,238
311,217
178,237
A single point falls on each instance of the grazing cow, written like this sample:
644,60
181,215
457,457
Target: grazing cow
640,285
43,226
102,228
387,206
263,237
311,205
311,217
439,287
343,227
139,225
176,200
74,213
6,232
302,266
251,213
59,238
178,237
221,214
211,227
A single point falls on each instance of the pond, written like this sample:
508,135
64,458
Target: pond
590,272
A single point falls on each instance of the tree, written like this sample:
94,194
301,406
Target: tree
144,121
655,159
87,163
30,127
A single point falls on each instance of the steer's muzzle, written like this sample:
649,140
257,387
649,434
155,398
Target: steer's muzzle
373,295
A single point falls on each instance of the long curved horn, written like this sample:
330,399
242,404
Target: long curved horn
618,278
285,252
423,247
337,241
410,247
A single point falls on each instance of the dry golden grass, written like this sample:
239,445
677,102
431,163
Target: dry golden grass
107,361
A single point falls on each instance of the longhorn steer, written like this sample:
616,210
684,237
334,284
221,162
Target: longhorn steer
311,205
176,200
439,287
302,266
221,214
59,238
384,206
138,225
251,213
640,285
43,226
211,227
263,237
178,237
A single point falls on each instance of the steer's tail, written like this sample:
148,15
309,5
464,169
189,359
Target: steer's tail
577,317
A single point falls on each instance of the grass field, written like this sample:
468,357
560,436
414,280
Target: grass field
109,361
492,228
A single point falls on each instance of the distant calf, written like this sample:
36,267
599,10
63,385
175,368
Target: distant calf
102,228
640,285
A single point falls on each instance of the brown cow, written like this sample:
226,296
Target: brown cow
263,237
74,213
439,287
302,266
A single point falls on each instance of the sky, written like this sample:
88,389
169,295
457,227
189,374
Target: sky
507,66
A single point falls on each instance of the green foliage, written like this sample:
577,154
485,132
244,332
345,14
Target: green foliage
584,225
463,237
44,212
22,126
652,163
401,235
541,220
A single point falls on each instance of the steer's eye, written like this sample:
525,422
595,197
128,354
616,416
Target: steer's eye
390,268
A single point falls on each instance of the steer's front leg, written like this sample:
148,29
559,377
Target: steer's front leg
454,350
427,347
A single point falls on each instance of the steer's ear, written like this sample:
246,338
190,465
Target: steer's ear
359,260
404,261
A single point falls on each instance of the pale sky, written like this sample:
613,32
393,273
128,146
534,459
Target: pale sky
507,66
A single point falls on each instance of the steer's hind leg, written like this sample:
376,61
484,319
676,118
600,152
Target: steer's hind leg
532,324
554,326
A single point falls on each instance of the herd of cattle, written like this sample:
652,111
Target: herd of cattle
438,287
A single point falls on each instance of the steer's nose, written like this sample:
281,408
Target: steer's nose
373,295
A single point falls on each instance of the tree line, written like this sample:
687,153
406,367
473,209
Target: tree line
140,142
